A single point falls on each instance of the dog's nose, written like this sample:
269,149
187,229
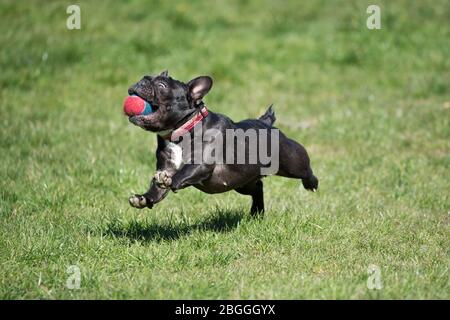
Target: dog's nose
132,90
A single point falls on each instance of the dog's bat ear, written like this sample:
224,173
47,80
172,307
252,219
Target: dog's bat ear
164,73
199,87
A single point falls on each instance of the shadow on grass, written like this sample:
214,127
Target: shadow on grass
218,221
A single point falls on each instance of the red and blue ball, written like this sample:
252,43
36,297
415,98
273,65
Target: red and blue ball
136,106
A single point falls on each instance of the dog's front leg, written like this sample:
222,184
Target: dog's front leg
190,174
154,195
165,169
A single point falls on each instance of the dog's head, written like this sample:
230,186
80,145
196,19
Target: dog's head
173,101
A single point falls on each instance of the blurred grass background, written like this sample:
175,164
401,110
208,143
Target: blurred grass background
371,106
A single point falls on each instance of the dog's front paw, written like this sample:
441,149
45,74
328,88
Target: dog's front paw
139,202
162,179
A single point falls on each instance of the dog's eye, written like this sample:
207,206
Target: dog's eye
161,85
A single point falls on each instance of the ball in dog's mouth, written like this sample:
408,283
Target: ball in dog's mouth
136,106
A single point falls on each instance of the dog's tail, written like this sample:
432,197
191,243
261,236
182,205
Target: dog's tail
269,116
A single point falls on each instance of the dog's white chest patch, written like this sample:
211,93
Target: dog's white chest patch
176,154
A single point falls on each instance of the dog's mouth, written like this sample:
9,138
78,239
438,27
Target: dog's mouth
144,95
153,121
142,120
147,122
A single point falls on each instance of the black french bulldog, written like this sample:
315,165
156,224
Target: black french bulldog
177,109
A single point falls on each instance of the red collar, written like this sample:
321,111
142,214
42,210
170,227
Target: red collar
174,135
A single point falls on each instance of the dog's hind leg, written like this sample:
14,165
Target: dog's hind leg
254,189
294,163
311,182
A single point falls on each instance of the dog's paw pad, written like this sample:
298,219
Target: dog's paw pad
162,179
138,201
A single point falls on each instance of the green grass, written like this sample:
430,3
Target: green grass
372,108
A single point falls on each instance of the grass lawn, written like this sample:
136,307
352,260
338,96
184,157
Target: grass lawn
372,108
